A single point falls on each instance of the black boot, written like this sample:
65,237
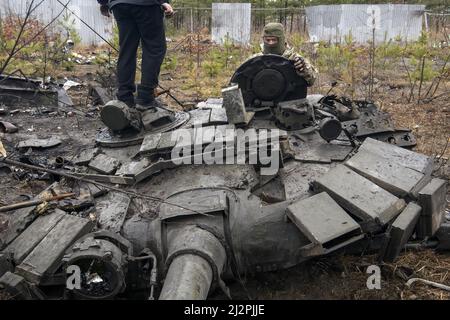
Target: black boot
146,98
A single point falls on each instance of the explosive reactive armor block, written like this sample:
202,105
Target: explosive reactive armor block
45,258
233,103
19,288
324,223
407,158
391,168
401,231
360,196
443,235
33,235
432,200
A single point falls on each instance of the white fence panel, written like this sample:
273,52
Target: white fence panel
389,21
88,10
232,20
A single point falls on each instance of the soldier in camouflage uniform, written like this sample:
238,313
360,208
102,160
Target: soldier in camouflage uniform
275,43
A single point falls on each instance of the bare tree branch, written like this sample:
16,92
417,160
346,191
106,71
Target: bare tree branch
17,48
21,31
43,28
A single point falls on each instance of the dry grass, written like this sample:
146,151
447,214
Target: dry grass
430,266
344,278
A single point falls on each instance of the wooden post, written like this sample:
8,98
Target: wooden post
292,21
421,79
192,22
304,24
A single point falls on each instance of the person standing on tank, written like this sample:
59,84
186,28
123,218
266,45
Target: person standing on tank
139,21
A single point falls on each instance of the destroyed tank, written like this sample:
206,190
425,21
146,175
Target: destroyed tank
261,180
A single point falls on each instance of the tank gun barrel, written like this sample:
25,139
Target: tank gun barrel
196,259
189,278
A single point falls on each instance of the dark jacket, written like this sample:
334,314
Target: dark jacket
112,3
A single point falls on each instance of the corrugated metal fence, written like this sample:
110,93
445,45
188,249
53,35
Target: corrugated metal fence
192,20
232,21
327,23
88,10
385,21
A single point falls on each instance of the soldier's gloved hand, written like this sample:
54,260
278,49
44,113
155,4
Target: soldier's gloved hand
104,9
299,64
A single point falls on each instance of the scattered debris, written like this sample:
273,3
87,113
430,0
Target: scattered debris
84,201
40,143
112,210
2,149
32,203
18,91
100,95
19,288
70,84
64,100
80,59
61,162
6,263
104,164
7,127
212,103
308,150
431,283
443,235
85,156
20,219
44,207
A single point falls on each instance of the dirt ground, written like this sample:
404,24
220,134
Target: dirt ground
332,277
344,277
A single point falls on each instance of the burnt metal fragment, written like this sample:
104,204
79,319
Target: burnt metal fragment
104,164
40,143
7,127
401,230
